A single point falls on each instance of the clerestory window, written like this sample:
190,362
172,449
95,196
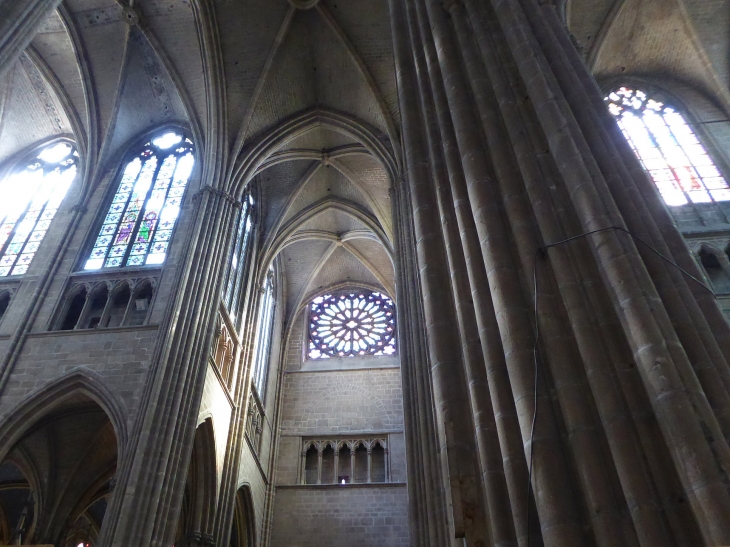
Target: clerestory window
138,226
239,257
668,148
31,198
263,335
351,324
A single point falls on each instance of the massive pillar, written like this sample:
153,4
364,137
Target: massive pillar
593,363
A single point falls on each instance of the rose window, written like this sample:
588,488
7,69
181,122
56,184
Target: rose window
351,324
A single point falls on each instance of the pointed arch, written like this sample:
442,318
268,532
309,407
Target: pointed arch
243,528
79,381
251,159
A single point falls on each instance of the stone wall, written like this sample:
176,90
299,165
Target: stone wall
338,398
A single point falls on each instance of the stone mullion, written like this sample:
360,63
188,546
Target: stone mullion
443,147
426,495
19,22
370,463
689,323
85,308
561,523
166,419
644,318
336,472
319,465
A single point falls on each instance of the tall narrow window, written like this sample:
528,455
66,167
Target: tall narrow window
31,198
138,227
239,257
263,337
351,324
668,148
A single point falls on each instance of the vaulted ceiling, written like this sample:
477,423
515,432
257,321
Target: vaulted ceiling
104,72
681,42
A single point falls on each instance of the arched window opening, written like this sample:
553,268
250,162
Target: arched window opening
311,465
351,324
668,148
73,312
361,463
328,465
118,306
344,472
239,257
715,272
138,226
377,471
4,303
263,337
140,305
31,198
95,308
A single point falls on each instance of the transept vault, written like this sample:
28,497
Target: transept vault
386,273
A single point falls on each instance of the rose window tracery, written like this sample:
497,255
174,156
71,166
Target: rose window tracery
351,324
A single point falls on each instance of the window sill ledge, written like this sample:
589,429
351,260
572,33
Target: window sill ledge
348,485
52,333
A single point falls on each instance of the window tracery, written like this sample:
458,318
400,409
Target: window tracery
351,324
138,226
344,461
668,148
31,198
106,304
239,256
263,337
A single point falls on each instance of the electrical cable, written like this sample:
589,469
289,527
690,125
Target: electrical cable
541,251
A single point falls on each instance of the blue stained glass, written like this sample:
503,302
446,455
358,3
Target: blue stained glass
140,213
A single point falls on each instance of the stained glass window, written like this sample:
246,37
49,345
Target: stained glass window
30,199
138,226
351,324
668,148
263,336
239,256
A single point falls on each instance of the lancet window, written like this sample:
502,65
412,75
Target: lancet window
351,324
668,148
263,336
239,256
138,226
31,198
343,461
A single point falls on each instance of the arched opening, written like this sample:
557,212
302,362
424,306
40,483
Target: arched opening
95,308
311,464
4,303
199,500
715,272
118,306
328,465
56,479
344,473
243,527
140,305
74,309
377,471
361,463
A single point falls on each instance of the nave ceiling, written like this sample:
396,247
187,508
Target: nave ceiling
105,73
